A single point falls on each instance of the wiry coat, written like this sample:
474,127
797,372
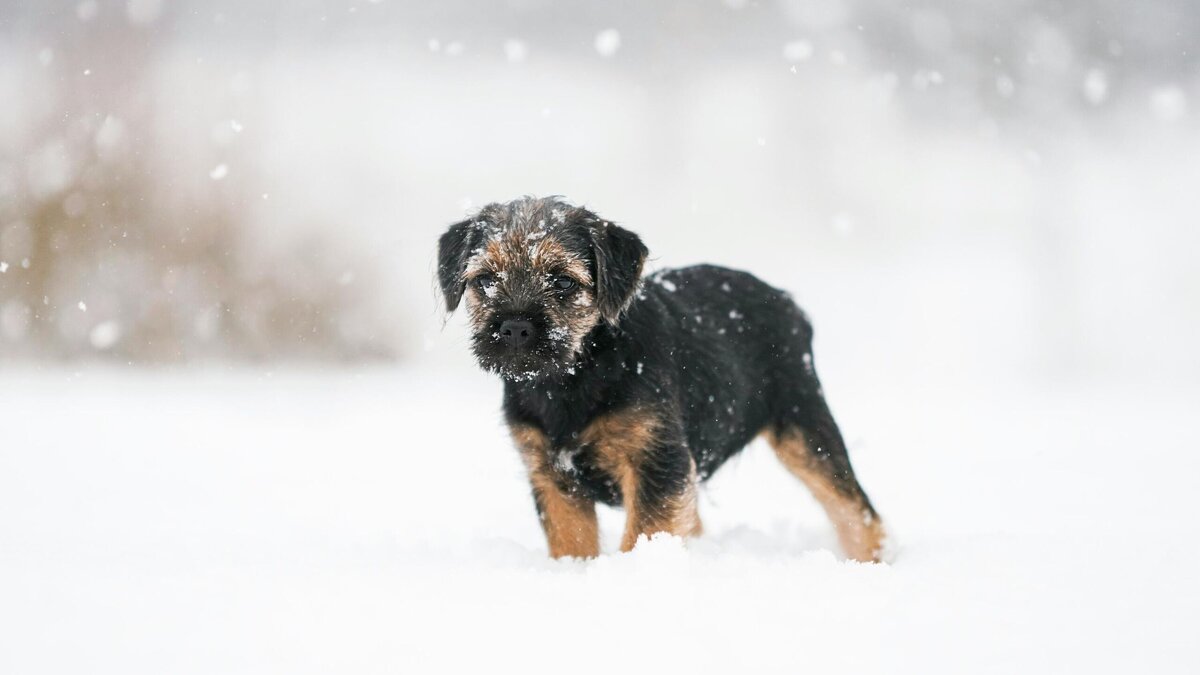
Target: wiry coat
634,390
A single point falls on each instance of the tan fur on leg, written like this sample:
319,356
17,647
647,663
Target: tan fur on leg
621,441
860,531
568,521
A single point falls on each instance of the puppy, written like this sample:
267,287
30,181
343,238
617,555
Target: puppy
629,391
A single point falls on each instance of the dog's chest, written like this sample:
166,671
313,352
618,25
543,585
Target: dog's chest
578,470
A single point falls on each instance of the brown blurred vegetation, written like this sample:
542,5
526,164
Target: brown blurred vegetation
109,251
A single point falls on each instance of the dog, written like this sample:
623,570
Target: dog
631,391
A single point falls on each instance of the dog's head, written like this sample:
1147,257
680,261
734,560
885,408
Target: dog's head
538,276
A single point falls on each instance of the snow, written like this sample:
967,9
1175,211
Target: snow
1169,103
104,335
607,42
798,50
379,521
143,12
14,320
1005,86
87,10
922,79
110,134
566,459
51,168
1095,86
362,521
219,172
515,51
843,224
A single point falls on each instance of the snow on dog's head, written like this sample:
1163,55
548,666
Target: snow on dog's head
539,275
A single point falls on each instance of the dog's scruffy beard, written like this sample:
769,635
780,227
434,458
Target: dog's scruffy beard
554,355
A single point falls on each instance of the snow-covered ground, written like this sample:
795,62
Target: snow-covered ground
377,521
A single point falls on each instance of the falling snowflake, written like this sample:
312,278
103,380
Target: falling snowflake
515,51
798,50
608,42
104,335
1095,86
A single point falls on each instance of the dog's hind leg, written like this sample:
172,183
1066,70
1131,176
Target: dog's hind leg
810,445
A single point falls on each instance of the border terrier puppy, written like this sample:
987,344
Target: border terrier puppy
629,391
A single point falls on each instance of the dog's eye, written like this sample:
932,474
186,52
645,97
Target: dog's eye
485,281
562,283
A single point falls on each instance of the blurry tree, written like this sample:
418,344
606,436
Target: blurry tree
105,253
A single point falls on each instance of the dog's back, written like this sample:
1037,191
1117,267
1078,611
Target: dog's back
741,351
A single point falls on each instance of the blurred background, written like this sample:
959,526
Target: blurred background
954,189
239,433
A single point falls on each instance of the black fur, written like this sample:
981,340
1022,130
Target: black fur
454,249
746,353
618,257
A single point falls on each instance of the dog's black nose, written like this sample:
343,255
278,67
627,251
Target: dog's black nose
517,333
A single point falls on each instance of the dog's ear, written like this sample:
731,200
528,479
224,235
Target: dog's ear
620,257
454,250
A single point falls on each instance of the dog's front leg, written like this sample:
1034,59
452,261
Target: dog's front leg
568,520
643,451
658,489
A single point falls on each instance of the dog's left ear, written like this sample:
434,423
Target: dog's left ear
620,256
454,250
